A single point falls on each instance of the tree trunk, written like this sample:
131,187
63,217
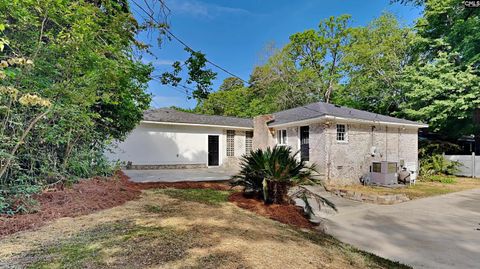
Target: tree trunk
20,141
278,192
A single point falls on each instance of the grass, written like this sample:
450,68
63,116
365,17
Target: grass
179,229
205,196
427,186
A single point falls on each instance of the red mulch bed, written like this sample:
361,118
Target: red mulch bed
86,197
98,193
288,214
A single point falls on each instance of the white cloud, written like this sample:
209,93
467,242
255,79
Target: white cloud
201,9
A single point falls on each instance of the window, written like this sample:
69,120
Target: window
230,143
341,132
282,137
248,142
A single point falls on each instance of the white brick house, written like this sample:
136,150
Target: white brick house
342,142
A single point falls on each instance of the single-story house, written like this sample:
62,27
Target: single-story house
341,141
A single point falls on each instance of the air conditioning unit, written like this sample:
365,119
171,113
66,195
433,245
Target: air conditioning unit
383,173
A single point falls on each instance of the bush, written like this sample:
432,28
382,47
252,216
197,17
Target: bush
270,174
18,199
440,179
438,165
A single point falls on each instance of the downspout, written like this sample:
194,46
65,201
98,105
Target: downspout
386,143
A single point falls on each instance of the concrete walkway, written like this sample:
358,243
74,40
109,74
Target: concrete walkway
178,175
436,232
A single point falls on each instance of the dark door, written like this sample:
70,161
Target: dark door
304,143
213,150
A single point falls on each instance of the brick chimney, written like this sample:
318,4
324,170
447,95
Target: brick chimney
262,135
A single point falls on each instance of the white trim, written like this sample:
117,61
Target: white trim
345,133
285,139
299,144
328,117
196,124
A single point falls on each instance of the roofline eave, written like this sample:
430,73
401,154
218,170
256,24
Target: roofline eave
197,124
328,117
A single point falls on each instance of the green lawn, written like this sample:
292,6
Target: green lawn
174,228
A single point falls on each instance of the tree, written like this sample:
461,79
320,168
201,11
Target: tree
448,58
234,102
231,83
198,74
443,94
80,58
282,85
375,60
322,52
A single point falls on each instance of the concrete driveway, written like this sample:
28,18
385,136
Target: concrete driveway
178,175
436,232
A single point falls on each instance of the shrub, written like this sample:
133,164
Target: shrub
437,165
18,199
272,171
270,174
440,179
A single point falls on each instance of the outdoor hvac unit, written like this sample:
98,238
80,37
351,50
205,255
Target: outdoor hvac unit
384,173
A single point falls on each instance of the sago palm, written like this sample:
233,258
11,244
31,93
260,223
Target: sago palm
272,172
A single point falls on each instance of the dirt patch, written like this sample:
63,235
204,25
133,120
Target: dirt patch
88,196
288,214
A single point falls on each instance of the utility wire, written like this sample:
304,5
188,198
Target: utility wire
183,43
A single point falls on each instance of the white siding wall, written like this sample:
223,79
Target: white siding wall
156,144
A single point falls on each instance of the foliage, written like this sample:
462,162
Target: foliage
71,81
428,148
197,73
442,80
272,172
375,60
18,199
437,165
440,179
442,94
234,102
231,83
322,52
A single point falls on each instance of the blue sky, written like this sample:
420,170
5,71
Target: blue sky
233,34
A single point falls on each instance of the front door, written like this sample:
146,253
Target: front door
213,151
304,143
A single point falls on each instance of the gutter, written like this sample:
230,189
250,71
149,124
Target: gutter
328,117
197,124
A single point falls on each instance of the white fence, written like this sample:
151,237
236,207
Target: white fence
470,164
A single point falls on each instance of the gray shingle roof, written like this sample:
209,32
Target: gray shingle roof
323,109
175,116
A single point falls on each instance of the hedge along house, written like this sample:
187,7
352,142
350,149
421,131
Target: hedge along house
342,142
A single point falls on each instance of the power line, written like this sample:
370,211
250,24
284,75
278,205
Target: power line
185,44
187,94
